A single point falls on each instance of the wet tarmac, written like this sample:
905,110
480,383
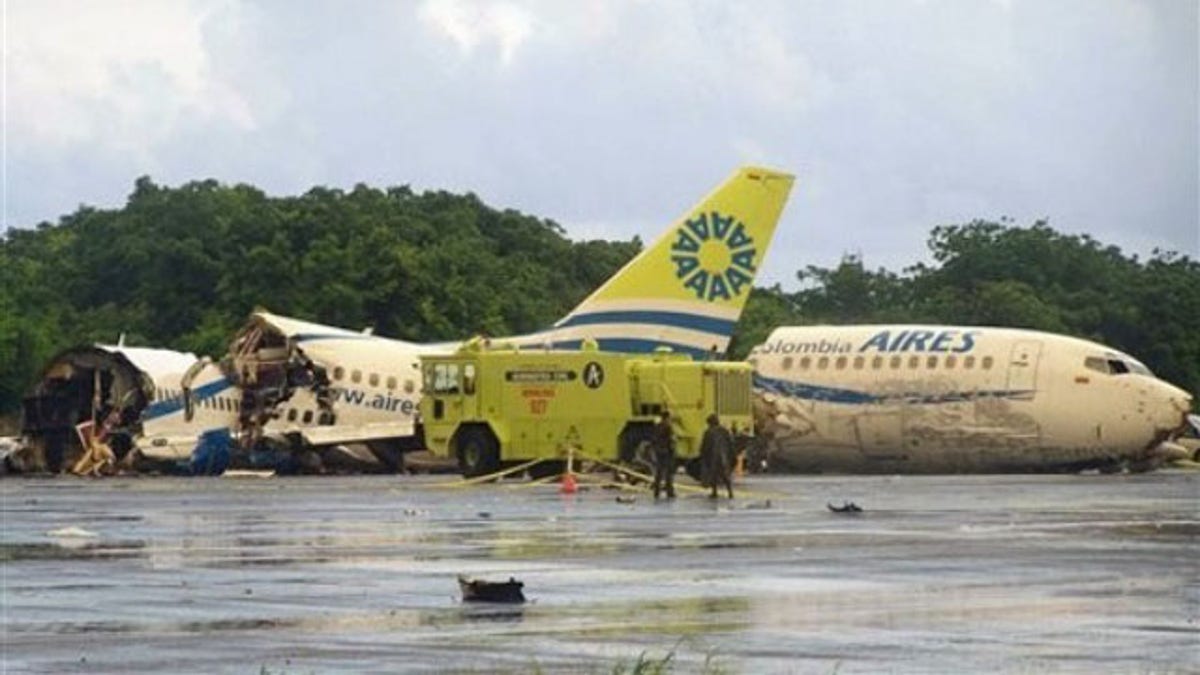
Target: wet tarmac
358,574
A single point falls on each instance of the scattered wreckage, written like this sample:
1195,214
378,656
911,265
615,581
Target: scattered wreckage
85,411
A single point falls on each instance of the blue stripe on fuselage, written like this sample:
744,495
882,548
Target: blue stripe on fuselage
811,392
697,322
175,403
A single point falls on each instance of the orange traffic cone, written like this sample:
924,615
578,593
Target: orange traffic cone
568,486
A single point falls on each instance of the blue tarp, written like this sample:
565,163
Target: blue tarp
211,456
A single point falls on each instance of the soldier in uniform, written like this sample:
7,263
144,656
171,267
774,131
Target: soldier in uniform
716,456
662,442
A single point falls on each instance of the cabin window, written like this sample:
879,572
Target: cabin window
914,361
356,376
391,383
291,416
469,379
968,362
805,363
951,360
409,387
339,373
895,362
787,363
858,362
986,363
840,364
325,418
307,419
931,362
373,379
823,363
877,362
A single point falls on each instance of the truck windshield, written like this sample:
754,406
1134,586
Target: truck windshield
445,378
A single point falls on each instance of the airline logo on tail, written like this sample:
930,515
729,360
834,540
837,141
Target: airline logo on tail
687,289
714,256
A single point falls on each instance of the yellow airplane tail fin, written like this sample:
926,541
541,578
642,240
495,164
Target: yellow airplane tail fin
687,289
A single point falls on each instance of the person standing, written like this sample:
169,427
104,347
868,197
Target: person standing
662,441
716,456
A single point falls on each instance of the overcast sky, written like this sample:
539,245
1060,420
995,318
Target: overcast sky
612,117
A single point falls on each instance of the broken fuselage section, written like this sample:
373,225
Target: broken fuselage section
332,399
85,411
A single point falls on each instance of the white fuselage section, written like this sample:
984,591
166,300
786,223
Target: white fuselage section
375,382
168,432
939,399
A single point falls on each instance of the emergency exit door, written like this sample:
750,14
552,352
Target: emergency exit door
1023,365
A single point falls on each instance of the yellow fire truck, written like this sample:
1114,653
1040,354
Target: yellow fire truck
491,406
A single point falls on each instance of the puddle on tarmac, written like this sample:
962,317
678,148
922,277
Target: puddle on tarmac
358,574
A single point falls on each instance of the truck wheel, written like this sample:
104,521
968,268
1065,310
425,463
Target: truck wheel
477,453
633,448
633,436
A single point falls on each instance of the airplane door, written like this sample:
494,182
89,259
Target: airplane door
1023,365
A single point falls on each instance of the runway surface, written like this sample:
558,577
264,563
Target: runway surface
358,574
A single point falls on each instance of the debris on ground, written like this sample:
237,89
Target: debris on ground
479,590
846,507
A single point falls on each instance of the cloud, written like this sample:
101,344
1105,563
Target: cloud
472,23
122,75
613,116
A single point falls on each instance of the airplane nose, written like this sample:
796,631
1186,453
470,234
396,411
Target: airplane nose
1178,405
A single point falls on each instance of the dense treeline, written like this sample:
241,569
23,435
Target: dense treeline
997,274
182,267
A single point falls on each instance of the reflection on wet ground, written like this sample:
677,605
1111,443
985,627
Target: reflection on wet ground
298,575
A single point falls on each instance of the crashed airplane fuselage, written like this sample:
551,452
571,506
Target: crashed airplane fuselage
308,385
946,399
93,405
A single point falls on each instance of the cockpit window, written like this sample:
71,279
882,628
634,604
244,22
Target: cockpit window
1138,368
1116,366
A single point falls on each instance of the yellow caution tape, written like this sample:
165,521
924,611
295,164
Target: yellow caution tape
467,482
